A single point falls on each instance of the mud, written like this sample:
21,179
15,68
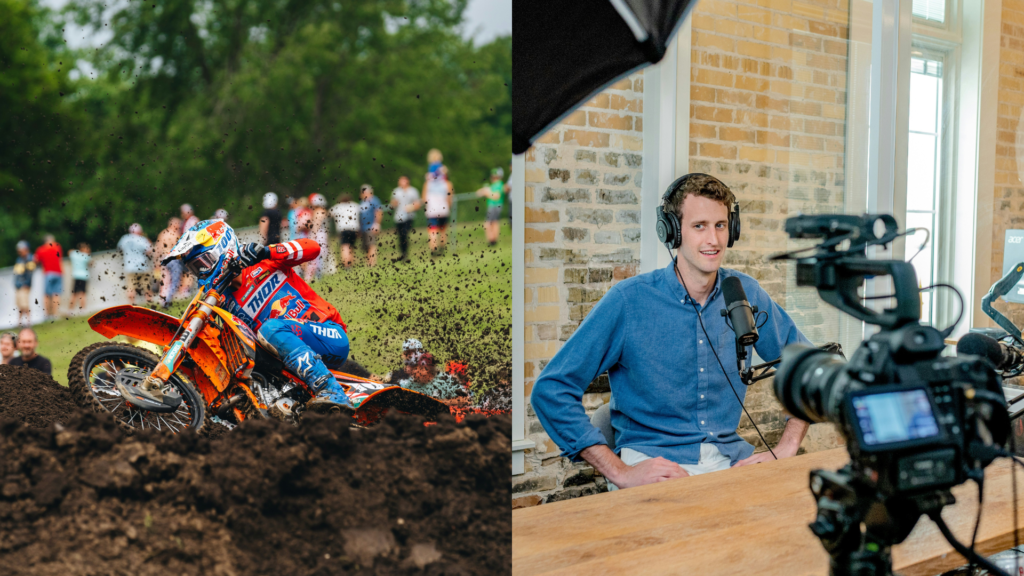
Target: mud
80,497
29,396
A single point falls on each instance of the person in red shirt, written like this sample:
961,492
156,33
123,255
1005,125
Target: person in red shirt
289,318
49,256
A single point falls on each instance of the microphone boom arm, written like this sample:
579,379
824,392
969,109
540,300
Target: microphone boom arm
1001,288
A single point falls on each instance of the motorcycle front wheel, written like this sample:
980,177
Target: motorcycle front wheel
91,380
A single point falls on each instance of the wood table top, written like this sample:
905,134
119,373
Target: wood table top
747,520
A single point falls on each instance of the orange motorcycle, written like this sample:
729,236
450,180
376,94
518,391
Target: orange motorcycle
212,371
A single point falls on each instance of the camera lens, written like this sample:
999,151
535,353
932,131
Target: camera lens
811,383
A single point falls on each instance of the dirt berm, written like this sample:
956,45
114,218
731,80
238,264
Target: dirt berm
80,497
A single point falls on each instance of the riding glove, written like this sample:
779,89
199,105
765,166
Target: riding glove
250,254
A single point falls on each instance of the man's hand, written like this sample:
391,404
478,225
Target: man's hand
249,254
648,472
624,476
756,459
788,445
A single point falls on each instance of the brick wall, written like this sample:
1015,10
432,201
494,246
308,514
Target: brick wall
768,95
583,182
1008,203
767,116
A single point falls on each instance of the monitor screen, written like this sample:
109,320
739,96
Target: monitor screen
895,417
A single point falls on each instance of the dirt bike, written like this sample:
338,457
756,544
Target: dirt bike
213,370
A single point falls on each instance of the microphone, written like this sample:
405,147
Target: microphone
1004,357
740,312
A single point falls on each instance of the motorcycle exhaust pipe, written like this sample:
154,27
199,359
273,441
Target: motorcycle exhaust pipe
228,404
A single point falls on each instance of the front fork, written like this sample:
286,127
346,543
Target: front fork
175,353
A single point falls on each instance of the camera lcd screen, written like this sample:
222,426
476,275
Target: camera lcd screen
895,417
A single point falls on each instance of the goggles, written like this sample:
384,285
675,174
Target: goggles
202,265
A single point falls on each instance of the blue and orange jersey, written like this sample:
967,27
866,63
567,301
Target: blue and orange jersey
271,289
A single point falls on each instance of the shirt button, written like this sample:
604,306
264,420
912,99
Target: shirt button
701,395
701,369
700,341
702,422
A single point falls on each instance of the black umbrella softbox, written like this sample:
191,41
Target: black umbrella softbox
565,51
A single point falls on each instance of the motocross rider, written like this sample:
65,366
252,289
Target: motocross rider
289,318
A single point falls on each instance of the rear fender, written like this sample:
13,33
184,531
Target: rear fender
159,328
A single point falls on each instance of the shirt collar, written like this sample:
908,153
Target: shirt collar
680,292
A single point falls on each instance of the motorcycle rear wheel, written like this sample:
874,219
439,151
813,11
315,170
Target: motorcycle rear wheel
91,375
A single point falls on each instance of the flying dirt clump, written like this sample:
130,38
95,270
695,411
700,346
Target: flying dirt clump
269,498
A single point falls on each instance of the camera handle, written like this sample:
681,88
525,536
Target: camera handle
838,280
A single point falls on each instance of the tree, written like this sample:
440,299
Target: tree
216,103
39,144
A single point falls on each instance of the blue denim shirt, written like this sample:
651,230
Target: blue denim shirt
668,392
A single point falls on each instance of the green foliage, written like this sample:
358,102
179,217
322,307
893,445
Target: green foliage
40,130
214,103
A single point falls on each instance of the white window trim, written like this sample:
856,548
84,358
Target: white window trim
517,182
666,92
978,101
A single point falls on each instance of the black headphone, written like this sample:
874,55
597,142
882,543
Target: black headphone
669,228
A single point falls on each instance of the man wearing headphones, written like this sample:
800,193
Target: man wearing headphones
670,356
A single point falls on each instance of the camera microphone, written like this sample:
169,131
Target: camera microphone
1004,357
740,312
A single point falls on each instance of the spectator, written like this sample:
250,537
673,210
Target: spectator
293,211
81,259
220,214
412,349
346,221
188,217
318,232
170,275
437,198
138,268
27,346
405,201
24,267
370,214
424,378
8,343
49,256
303,218
270,220
495,194
188,220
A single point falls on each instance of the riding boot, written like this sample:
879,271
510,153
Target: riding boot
311,369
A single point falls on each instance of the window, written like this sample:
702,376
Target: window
924,170
932,11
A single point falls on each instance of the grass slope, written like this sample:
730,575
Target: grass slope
458,305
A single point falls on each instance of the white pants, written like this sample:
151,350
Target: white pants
711,460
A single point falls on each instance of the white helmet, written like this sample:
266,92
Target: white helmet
270,200
205,247
318,201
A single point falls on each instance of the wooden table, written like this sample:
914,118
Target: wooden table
748,520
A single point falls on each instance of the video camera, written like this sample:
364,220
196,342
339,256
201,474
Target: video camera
916,423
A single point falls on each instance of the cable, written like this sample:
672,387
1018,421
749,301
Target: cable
1013,480
761,325
946,331
981,500
720,365
928,235
964,551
